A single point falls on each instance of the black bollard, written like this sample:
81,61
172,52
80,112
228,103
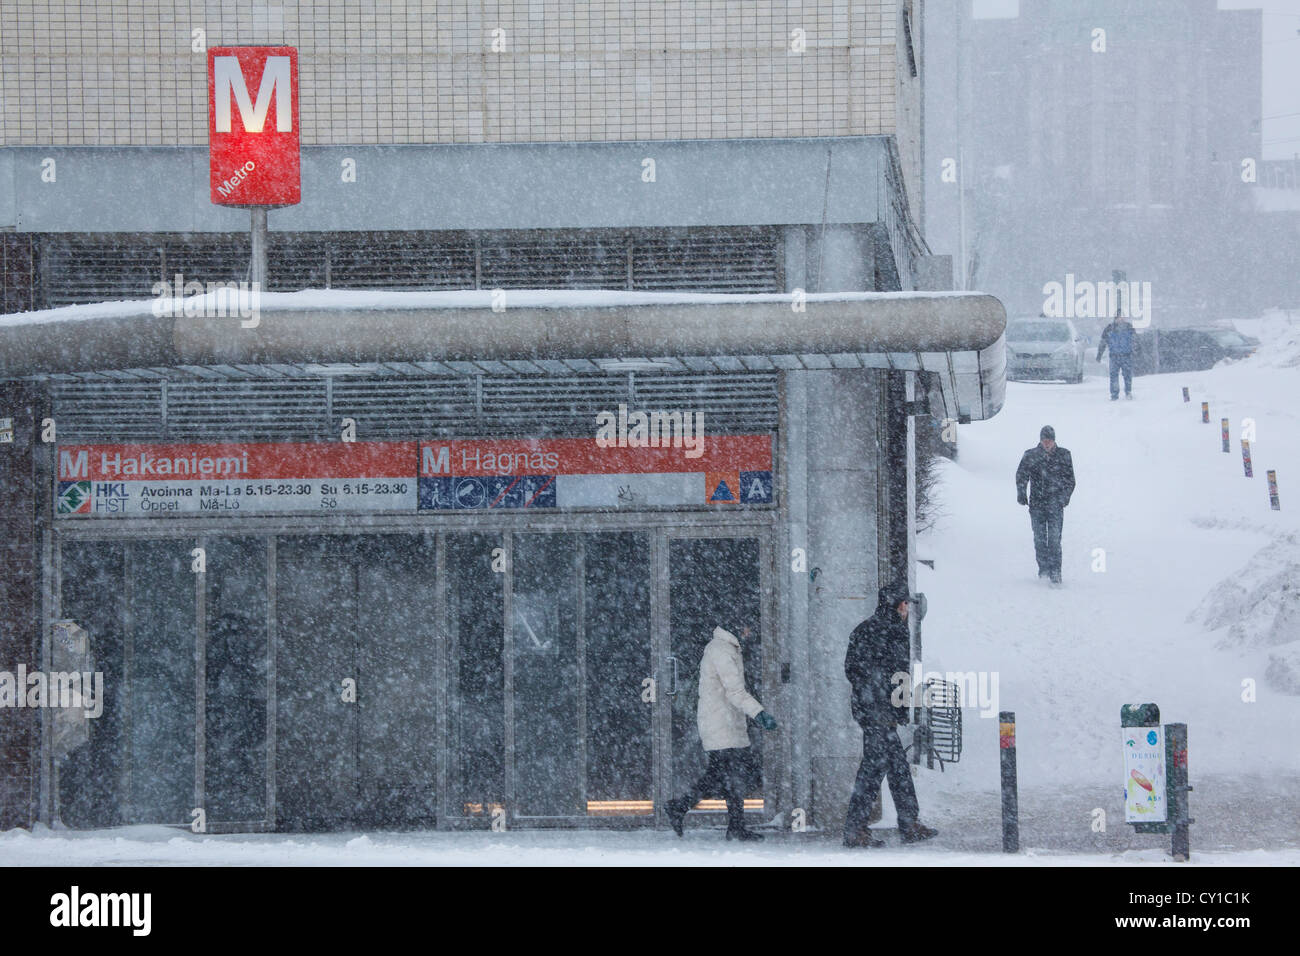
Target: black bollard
1180,844
1010,803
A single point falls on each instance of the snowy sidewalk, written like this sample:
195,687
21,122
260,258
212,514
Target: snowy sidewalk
1054,832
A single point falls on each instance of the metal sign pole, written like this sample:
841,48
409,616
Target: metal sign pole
257,271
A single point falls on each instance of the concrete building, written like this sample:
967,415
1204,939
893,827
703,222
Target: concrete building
369,638
1093,137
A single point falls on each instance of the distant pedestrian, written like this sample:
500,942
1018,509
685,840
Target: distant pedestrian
1118,337
879,648
1048,470
723,706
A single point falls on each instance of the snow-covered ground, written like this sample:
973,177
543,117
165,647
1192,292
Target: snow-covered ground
153,846
1175,518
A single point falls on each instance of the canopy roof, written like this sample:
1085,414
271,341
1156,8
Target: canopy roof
955,337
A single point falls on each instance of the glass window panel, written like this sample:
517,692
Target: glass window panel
476,733
235,723
161,673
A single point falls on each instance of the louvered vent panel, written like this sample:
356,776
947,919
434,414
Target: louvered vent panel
253,411
405,408
713,261
81,269
730,403
432,407
400,260
92,268
556,262
85,413
545,405
204,258
296,260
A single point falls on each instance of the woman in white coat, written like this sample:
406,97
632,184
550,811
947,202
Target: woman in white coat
724,704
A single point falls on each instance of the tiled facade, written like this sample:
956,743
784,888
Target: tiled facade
458,71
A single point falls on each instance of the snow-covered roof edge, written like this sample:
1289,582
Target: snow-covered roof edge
368,300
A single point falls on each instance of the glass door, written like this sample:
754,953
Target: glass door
316,729
712,582
136,761
582,714
550,670
236,653
397,647
356,681
617,679
474,577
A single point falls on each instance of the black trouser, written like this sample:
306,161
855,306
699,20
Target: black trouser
882,755
726,775
1121,363
1047,521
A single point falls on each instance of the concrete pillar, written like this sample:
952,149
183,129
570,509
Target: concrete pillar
843,474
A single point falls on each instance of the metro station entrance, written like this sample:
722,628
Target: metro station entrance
572,679
406,678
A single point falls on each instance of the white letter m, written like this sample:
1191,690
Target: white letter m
227,78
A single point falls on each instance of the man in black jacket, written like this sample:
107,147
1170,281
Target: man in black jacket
1048,470
879,649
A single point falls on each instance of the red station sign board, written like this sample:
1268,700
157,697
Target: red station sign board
253,126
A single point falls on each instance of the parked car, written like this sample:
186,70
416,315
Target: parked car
1044,349
1189,349
1236,345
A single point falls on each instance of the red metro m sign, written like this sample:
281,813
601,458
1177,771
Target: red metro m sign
253,126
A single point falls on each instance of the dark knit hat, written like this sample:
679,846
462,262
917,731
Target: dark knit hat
892,595
1048,432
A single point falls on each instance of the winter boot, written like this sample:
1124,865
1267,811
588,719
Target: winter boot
863,839
676,814
1129,396
743,835
1056,577
917,832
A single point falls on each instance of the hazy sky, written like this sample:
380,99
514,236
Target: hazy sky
1281,82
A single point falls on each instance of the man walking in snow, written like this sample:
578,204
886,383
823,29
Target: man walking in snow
1118,336
879,648
723,706
1048,470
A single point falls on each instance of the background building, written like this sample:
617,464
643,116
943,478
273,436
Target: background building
1083,160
